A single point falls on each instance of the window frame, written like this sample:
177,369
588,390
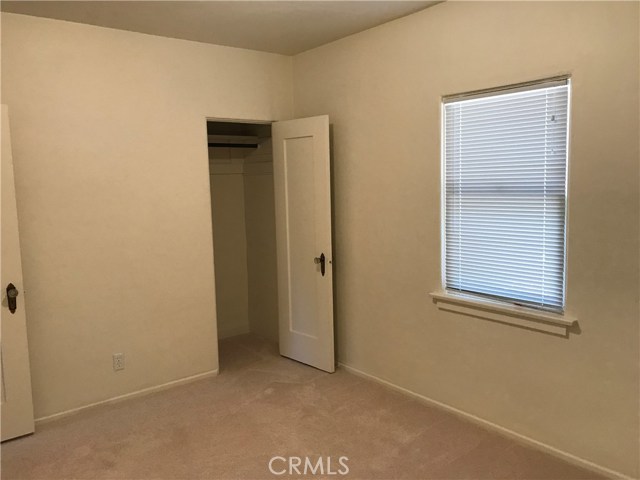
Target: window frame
525,309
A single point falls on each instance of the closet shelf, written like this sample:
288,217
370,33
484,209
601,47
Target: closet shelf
233,141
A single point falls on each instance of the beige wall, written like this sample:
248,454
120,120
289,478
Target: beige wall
261,254
230,249
382,90
108,133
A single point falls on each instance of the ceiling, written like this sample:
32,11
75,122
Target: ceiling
285,27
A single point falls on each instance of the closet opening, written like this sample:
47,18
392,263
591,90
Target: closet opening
244,236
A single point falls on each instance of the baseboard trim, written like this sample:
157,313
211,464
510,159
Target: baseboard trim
127,396
523,439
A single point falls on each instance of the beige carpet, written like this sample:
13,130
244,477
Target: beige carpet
262,405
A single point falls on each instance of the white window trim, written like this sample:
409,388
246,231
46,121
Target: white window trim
487,308
502,312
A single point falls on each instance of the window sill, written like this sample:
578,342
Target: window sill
523,317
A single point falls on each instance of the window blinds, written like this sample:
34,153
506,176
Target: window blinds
505,170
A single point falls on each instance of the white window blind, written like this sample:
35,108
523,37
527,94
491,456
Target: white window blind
505,171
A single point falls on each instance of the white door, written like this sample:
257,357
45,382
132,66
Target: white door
17,404
301,174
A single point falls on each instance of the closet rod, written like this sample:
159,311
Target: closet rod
233,145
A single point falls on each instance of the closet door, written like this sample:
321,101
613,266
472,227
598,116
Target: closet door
303,233
15,395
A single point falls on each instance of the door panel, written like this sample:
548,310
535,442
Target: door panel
303,231
17,404
301,226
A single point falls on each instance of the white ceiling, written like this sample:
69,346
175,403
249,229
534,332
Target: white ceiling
286,27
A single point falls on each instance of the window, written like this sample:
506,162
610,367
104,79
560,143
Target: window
505,192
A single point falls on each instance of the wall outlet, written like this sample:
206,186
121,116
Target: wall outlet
118,361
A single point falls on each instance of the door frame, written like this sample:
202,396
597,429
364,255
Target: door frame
332,213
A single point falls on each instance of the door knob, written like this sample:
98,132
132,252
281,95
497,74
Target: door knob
320,261
12,293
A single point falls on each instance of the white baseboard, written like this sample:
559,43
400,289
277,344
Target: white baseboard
127,396
523,439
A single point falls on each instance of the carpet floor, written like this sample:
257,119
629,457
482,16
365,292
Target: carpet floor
262,405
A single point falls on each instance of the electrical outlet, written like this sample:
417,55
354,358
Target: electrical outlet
118,361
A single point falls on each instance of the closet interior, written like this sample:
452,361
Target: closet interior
244,238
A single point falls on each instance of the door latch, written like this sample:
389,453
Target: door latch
12,293
320,261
